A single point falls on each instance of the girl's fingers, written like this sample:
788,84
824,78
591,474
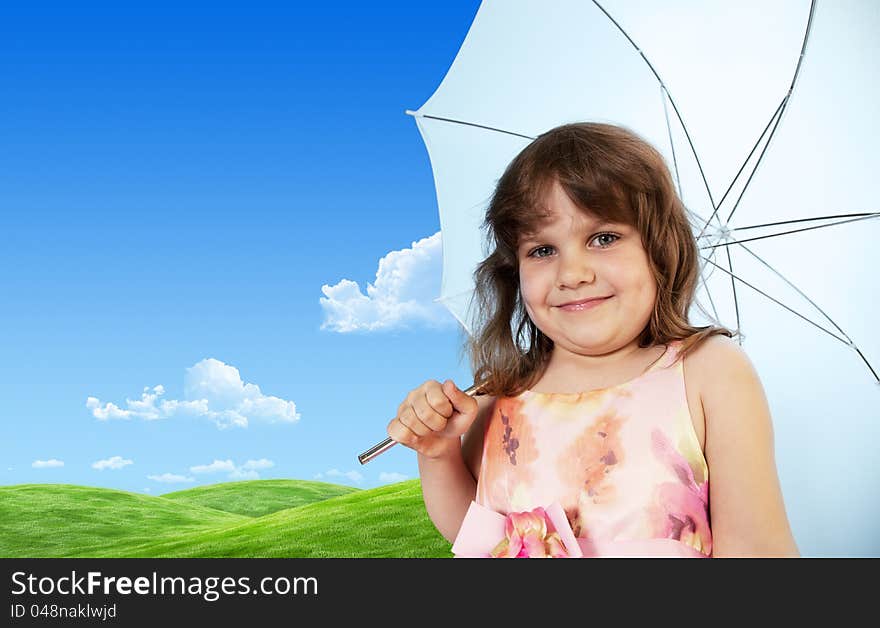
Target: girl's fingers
400,433
463,403
410,419
438,400
424,412
428,416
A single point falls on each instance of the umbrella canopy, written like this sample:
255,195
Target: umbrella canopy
766,116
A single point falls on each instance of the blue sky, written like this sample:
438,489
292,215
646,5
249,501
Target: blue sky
194,200
219,231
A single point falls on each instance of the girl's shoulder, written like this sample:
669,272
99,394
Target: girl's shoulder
710,365
726,383
748,513
716,352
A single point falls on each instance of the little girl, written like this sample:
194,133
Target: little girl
596,395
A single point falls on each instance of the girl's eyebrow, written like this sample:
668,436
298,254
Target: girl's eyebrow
528,238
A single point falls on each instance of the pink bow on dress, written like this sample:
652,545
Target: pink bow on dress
538,533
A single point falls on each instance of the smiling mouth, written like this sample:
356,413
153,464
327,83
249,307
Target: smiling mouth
583,305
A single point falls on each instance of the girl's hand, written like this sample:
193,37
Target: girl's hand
432,419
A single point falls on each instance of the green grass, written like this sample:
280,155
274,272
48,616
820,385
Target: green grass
259,497
41,520
243,520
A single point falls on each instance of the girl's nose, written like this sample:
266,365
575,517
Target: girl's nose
575,270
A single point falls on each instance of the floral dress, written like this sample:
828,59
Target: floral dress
623,462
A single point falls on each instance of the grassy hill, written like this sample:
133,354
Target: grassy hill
259,497
38,520
60,520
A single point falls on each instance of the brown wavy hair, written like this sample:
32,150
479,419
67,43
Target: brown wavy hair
607,171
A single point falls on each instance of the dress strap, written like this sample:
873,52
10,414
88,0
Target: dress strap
673,348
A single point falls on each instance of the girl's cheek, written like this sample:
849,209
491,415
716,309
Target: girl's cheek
527,284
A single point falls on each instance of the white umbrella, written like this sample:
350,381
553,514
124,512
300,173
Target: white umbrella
766,115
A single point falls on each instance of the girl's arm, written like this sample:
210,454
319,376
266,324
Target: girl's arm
745,498
449,481
447,488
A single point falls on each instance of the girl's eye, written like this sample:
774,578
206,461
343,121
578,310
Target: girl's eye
600,235
540,248
613,235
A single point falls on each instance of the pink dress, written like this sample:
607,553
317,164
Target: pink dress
624,463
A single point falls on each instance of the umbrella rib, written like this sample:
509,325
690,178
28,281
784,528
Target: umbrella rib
733,287
671,142
798,290
832,334
789,222
671,101
479,126
868,364
782,233
715,319
711,300
702,278
699,219
848,340
446,297
741,168
803,47
751,152
785,100
745,187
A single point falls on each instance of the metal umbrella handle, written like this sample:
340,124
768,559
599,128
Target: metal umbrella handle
386,444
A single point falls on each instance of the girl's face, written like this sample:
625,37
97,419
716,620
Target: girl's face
574,258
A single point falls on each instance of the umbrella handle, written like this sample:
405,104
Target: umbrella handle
388,443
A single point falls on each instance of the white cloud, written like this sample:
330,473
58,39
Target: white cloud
353,476
116,462
170,478
244,474
247,471
390,478
407,284
212,389
215,467
109,411
262,463
47,464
